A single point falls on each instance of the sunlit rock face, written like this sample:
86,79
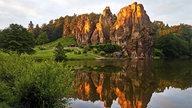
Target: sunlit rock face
133,30
102,31
83,30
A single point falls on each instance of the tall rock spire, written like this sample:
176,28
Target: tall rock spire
133,30
102,31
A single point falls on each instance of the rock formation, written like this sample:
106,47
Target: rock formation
102,32
133,30
81,27
83,30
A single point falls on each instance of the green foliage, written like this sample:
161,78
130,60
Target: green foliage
42,48
102,53
86,49
95,51
65,41
158,53
17,38
77,52
174,41
42,38
60,53
108,48
25,83
172,46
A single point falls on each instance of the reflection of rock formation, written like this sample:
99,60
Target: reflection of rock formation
133,85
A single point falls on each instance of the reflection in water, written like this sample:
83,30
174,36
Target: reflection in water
131,82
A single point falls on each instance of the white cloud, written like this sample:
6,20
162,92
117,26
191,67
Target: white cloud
39,11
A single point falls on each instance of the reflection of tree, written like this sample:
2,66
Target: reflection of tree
133,85
177,74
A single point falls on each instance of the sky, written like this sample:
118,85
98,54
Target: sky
171,12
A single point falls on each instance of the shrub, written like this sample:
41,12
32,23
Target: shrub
108,48
95,51
87,48
42,48
84,51
68,50
77,52
31,84
102,53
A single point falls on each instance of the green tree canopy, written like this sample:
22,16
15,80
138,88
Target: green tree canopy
17,38
42,38
172,46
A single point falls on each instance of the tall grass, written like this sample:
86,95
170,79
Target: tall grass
25,83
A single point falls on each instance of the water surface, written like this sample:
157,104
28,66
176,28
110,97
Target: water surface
132,84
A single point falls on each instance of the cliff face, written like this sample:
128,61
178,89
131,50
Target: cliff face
83,30
133,30
102,31
81,27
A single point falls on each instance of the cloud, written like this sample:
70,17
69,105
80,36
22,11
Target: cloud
39,11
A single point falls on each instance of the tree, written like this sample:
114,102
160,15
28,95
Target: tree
36,31
30,27
60,53
172,46
17,38
42,38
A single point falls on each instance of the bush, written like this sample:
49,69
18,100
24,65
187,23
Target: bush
42,48
95,51
84,51
68,50
87,48
30,84
108,48
102,53
77,52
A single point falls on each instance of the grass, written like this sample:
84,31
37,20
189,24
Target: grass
46,51
65,41
49,54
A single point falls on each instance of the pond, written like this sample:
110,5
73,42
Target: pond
132,84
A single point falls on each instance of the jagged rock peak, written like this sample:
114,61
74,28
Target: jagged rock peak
133,30
102,32
107,11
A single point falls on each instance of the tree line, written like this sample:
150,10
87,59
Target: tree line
171,41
